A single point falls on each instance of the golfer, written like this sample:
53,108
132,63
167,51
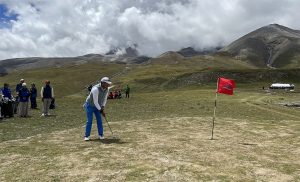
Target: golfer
95,104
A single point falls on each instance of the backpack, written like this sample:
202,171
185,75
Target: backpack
52,105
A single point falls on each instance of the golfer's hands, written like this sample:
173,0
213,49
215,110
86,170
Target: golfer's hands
102,111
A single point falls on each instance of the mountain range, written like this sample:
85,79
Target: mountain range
271,46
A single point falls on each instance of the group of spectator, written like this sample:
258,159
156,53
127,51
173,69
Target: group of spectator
19,103
117,94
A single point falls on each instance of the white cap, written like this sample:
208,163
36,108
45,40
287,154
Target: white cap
23,84
22,80
106,80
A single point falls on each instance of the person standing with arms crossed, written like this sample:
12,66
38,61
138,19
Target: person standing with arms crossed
95,104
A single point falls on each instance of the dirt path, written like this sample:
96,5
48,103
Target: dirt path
259,103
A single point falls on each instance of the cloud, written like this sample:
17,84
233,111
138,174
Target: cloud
77,27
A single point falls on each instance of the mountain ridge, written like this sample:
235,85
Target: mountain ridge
267,46
271,46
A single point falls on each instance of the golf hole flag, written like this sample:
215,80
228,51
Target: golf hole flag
225,86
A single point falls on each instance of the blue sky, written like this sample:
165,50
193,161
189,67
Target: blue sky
6,17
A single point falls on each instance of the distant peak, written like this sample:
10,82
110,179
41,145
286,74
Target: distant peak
92,55
279,27
275,24
128,51
187,48
279,30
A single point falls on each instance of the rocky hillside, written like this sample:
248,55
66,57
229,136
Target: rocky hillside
270,46
191,52
19,64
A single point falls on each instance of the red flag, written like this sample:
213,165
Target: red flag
226,86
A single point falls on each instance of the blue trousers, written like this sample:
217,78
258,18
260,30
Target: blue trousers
90,110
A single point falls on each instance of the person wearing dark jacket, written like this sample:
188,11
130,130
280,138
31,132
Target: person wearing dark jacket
127,91
33,95
19,86
7,104
24,95
6,91
1,99
47,95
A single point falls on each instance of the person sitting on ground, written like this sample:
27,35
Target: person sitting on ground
24,95
33,96
116,94
119,94
111,95
47,94
95,104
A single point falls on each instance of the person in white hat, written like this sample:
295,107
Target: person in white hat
95,104
23,99
18,88
19,85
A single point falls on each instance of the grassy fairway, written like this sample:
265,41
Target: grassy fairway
164,136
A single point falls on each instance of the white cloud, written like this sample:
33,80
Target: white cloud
77,27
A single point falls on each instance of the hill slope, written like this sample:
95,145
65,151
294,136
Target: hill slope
273,46
21,64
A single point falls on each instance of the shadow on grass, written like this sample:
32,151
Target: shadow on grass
109,141
247,144
2,120
49,116
24,117
212,139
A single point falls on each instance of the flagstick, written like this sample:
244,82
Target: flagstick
213,124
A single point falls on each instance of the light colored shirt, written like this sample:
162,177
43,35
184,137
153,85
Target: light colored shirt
98,96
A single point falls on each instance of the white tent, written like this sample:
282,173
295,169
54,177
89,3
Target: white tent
282,86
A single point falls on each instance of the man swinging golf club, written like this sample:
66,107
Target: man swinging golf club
95,104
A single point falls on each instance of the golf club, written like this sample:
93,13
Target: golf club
109,126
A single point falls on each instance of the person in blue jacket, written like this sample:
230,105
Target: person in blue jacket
6,91
1,99
7,105
33,96
24,95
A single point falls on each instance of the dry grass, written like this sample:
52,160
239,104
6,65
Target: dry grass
160,149
164,136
